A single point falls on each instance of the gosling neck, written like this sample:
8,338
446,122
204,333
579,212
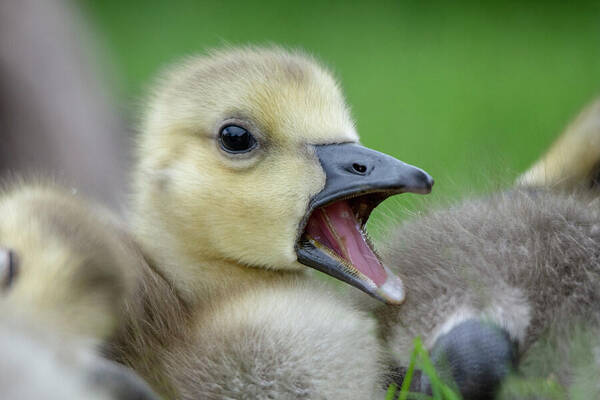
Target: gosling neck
202,280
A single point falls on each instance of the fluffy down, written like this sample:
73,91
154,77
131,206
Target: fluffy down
525,260
280,342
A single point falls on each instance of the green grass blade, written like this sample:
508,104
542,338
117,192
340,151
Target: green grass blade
408,377
391,392
440,390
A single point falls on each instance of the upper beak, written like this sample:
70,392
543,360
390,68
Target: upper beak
364,177
352,169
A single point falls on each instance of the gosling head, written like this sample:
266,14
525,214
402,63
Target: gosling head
251,156
61,262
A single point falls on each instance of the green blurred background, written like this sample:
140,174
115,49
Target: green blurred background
471,92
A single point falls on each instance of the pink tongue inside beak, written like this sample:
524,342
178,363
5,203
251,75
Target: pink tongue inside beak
336,227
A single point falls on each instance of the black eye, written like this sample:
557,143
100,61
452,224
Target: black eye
235,139
8,268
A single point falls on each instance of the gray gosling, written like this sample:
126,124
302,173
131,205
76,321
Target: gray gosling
249,172
65,269
509,282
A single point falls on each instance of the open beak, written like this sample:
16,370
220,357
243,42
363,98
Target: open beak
333,238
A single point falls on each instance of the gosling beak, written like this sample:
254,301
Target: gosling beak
333,237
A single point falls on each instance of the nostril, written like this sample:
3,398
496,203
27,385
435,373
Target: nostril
361,169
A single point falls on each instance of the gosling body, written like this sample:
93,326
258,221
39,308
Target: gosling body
66,267
516,272
237,150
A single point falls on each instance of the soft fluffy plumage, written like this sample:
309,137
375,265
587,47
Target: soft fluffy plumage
189,197
66,269
516,258
226,311
289,340
526,260
75,261
573,158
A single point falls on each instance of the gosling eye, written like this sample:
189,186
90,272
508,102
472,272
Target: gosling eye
235,139
8,268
